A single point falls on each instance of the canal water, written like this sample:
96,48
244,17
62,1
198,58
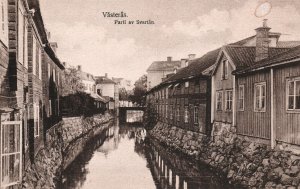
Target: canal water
123,157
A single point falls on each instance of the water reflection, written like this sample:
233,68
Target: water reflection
124,157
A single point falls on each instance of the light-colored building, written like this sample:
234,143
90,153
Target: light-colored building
159,70
87,80
123,83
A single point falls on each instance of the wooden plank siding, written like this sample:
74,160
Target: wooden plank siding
196,94
286,122
223,85
249,122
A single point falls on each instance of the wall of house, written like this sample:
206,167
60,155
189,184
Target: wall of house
286,121
89,86
249,122
222,85
155,77
5,91
107,89
168,99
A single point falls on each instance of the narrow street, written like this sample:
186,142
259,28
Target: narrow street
124,157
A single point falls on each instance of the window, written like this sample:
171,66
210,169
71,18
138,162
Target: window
4,22
36,114
49,71
34,62
54,75
11,153
186,84
21,27
177,113
241,97
167,110
219,100
50,108
186,114
260,97
293,97
225,69
40,62
171,113
228,100
196,113
26,45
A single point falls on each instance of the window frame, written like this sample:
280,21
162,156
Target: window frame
221,101
225,69
242,86
36,116
260,85
227,91
292,80
186,114
196,115
178,113
4,22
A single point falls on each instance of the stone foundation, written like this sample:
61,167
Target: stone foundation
63,143
246,164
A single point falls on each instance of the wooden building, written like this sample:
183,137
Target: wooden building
279,78
183,99
23,46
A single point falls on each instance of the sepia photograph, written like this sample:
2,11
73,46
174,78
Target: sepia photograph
149,94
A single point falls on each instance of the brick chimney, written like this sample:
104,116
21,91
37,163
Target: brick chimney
192,56
79,67
169,58
262,42
183,62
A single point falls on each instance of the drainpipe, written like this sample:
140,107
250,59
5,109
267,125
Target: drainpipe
273,132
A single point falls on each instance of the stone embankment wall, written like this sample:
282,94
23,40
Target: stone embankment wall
245,163
60,149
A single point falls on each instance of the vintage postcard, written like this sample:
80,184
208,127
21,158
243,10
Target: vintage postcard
149,94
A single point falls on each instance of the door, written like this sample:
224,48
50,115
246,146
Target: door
11,153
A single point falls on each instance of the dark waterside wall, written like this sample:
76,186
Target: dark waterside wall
245,163
63,143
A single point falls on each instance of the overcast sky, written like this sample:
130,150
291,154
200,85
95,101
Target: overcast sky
181,27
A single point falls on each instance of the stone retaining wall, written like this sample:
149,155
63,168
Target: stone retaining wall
245,163
61,139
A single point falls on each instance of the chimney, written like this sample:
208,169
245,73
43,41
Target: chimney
262,42
79,67
169,58
53,46
183,63
192,56
106,75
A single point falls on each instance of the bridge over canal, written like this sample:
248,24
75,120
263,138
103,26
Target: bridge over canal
123,112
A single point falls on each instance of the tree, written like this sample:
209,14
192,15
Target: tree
123,94
72,82
139,91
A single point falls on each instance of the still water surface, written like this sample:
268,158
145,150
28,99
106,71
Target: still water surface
123,157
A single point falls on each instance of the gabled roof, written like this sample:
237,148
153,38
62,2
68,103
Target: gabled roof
288,56
163,65
104,80
244,57
86,76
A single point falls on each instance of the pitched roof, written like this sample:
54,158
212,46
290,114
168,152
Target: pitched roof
290,55
86,76
196,66
104,80
288,44
163,65
244,57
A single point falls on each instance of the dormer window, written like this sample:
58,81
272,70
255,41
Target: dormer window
225,69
